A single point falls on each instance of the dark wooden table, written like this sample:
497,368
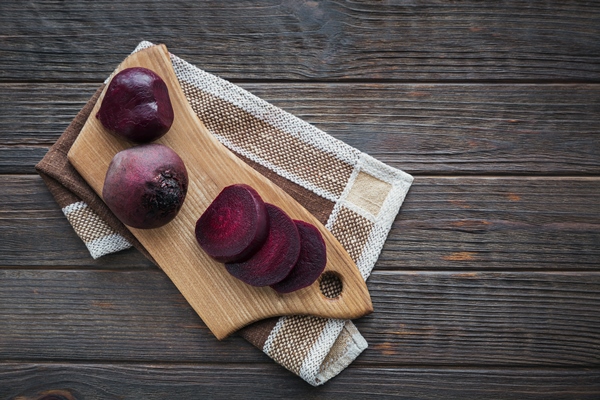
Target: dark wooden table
489,284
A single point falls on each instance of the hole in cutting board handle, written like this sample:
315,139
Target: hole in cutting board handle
330,284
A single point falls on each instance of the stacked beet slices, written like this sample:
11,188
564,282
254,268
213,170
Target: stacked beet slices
259,243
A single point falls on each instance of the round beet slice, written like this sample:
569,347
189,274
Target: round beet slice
277,256
311,262
234,226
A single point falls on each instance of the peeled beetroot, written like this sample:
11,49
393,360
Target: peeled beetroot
136,106
146,185
311,262
234,226
276,257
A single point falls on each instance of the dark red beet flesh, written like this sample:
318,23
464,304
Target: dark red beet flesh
136,106
234,226
277,256
311,262
145,186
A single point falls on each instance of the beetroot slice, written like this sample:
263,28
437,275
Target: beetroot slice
234,226
278,255
311,262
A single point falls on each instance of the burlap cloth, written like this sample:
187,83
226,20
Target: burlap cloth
355,196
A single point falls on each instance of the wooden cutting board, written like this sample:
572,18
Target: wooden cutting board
224,303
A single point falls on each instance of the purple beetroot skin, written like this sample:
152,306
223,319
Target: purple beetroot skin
311,262
136,106
146,185
234,226
277,256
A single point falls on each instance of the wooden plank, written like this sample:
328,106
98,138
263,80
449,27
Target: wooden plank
524,319
333,40
481,318
35,232
421,128
29,381
20,159
36,114
100,315
497,223
444,224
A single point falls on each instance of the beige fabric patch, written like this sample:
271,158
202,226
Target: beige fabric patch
347,346
368,192
88,225
352,231
295,339
338,349
99,237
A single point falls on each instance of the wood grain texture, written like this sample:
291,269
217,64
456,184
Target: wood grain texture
105,316
35,232
422,129
497,223
487,287
458,223
481,318
36,114
31,381
225,303
421,318
20,160
303,40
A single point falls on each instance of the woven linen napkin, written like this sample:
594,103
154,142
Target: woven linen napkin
355,196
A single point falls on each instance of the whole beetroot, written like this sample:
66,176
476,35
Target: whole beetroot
136,106
146,185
